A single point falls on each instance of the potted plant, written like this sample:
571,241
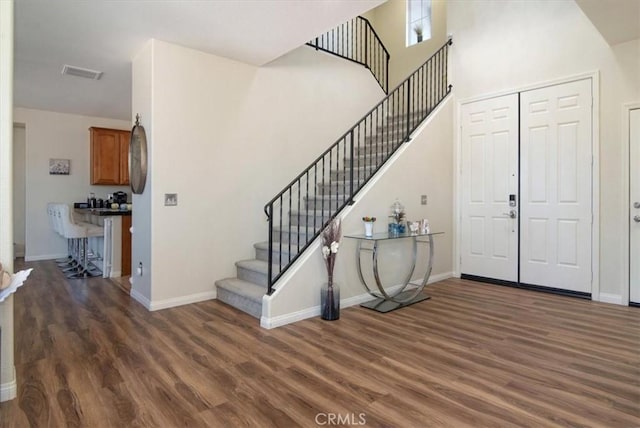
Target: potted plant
330,292
368,225
418,30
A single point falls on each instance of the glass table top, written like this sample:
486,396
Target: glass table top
385,235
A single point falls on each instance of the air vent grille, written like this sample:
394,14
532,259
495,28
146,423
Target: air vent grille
81,72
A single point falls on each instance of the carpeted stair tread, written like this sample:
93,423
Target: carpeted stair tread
246,289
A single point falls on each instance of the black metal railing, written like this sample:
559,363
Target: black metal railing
357,41
299,213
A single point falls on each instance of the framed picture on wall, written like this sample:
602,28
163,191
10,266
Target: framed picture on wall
59,166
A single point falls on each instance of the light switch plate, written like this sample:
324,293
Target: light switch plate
170,199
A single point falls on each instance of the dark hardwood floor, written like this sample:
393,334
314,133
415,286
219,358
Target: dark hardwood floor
474,355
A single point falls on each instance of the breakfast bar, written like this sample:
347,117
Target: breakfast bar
116,244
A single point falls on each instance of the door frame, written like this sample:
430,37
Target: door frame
626,188
595,168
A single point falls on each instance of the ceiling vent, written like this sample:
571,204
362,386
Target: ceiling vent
81,72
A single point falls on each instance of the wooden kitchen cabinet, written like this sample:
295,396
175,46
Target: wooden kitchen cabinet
109,156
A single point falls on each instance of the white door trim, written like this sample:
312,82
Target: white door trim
595,168
626,204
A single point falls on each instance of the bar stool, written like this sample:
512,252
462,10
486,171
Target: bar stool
78,234
55,224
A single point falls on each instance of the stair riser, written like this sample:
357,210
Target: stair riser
305,221
396,126
367,160
292,236
340,189
240,302
380,147
360,173
252,276
383,137
264,255
329,205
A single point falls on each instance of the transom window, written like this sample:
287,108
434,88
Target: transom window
418,21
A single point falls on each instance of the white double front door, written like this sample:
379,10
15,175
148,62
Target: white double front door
526,209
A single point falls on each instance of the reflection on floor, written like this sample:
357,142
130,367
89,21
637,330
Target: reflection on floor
123,283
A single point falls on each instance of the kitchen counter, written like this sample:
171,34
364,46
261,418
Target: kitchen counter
102,212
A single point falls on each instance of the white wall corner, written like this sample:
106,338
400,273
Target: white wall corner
138,297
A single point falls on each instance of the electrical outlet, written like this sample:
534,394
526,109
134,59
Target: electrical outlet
423,199
140,269
170,199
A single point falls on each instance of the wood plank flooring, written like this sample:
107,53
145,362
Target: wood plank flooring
474,355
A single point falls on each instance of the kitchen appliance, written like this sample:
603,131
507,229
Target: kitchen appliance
91,200
120,198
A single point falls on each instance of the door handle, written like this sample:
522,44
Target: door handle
512,214
636,218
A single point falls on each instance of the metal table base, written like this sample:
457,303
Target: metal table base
402,297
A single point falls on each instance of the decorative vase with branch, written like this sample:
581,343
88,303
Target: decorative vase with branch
418,30
330,292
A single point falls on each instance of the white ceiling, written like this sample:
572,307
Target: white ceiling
617,20
105,35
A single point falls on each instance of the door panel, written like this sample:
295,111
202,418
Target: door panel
634,193
489,244
556,153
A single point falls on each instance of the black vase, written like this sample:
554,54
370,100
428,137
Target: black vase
330,302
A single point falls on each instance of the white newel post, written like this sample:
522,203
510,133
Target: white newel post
7,368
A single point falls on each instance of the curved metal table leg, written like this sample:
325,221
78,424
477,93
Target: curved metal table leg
385,301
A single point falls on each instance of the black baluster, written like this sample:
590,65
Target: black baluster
270,246
290,229
299,190
280,237
306,228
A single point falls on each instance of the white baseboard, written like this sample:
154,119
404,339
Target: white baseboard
156,305
9,390
45,257
616,299
135,295
280,320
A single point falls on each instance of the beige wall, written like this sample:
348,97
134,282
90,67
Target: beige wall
141,248
7,370
389,21
60,136
501,46
226,137
423,166
19,189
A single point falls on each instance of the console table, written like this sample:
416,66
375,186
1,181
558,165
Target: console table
385,301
